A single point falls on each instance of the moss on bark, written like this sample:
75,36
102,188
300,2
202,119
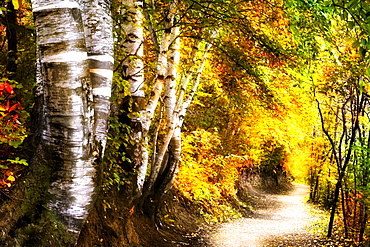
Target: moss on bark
25,219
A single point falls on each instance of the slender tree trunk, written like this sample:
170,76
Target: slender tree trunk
345,211
316,187
170,102
162,65
168,168
178,117
334,207
311,183
134,74
363,223
198,73
11,36
357,204
98,25
350,138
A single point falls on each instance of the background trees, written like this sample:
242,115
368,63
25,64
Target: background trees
340,70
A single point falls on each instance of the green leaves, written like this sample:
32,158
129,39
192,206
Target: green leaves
18,161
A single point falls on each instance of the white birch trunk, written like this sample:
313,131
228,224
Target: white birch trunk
178,118
171,78
185,80
174,149
134,65
194,88
170,93
98,26
64,84
148,113
162,67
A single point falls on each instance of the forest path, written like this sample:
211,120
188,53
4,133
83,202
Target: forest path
279,220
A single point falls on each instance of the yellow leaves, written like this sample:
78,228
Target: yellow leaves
206,176
11,178
7,179
17,4
8,171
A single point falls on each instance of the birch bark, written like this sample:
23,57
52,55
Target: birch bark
189,97
66,70
162,67
168,169
98,27
134,72
174,149
174,127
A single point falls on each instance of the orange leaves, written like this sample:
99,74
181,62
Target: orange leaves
201,158
7,179
8,108
9,171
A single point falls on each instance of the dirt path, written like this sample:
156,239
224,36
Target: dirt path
279,220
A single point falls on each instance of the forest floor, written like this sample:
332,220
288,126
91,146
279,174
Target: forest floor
278,220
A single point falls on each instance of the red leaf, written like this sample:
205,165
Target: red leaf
9,88
13,107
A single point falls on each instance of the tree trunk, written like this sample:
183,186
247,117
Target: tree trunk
337,149
98,27
345,211
162,66
66,125
74,81
134,74
316,187
167,169
334,207
11,36
162,172
74,74
363,223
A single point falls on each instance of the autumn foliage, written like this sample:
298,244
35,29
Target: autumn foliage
12,133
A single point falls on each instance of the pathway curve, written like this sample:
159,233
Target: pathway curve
275,222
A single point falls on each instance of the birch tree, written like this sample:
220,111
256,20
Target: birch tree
99,44
162,70
166,90
143,110
74,84
134,74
